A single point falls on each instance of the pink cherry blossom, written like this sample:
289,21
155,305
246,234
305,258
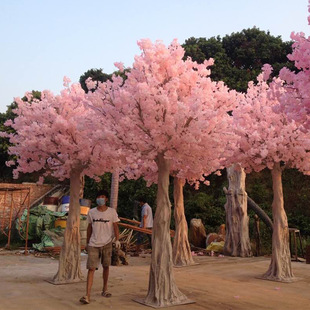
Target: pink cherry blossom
266,134
296,102
170,106
57,134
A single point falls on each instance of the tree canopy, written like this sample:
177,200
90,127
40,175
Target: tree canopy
6,172
239,57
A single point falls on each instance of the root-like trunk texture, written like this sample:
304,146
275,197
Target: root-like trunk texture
69,269
280,268
237,241
181,252
82,185
114,189
162,291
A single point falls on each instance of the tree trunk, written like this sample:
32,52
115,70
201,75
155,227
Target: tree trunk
162,291
82,185
114,189
237,241
181,249
280,268
69,269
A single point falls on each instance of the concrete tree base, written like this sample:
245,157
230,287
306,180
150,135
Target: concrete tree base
142,302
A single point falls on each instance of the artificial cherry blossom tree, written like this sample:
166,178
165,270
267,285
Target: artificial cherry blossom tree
268,139
58,135
221,141
167,111
296,101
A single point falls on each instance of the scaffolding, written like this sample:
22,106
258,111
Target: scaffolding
13,202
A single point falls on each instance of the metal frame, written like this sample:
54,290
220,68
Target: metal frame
8,203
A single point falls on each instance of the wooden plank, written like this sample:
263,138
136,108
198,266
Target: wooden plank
146,231
56,249
128,220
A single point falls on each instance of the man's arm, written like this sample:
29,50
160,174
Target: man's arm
116,231
144,221
89,232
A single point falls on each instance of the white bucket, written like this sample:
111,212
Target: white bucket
64,207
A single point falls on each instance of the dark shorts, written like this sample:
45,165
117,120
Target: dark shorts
98,255
141,235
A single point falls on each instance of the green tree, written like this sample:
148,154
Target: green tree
96,75
240,56
6,172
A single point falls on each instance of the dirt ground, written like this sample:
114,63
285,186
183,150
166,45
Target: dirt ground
214,283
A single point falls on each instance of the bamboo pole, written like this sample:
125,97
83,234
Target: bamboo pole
10,222
27,223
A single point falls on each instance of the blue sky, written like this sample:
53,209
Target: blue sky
41,41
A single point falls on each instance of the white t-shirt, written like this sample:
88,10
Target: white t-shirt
147,210
102,225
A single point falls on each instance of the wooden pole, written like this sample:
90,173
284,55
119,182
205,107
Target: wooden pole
27,223
146,231
10,222
257,235
3,213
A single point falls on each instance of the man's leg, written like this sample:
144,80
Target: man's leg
106,255
90,279
105,278
149,237
92,264
139,241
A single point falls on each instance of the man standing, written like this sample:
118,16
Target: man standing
101,230
146,222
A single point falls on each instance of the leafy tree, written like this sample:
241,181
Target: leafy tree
240,56
6,172
171,118
296,102
97,76
238,59
267,139
58,135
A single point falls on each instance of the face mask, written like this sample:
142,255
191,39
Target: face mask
100,201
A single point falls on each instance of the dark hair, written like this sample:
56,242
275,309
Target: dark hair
141,199
102,193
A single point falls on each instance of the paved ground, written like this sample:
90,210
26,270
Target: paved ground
215,283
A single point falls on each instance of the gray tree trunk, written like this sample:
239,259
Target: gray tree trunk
162,291
69,269
181,252
280,268
114,189
237,241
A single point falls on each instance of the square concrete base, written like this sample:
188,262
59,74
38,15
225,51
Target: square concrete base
142,302
64,283
195,264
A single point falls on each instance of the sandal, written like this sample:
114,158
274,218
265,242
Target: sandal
106,294
84,300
